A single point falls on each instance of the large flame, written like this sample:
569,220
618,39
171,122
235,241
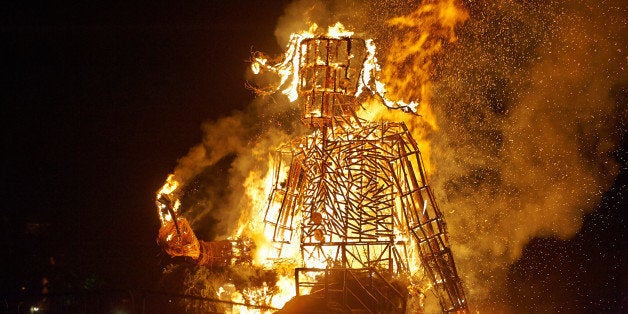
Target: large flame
372,78
288,69
496,213
167,203
409,67
369,81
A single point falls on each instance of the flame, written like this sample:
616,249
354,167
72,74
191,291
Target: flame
422,34
254,221
286,291
338,30
166,194
419,39
288,69
411,53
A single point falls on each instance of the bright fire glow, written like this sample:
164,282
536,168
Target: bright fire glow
288,68
167,192
371,80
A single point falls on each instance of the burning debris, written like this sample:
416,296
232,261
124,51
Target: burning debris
349,210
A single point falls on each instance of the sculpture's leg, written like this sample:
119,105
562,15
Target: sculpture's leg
426,224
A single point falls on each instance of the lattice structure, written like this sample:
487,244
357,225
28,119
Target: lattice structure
354,193
328,72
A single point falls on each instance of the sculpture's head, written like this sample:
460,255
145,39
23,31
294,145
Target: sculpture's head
329,73
326,72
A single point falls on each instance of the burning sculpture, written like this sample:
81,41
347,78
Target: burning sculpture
352,195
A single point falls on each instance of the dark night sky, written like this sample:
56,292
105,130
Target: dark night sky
99,102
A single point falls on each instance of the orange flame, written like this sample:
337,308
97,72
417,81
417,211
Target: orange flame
166,194
288,68
421,35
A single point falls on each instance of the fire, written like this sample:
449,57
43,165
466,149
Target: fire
326,208
167,204
288,69
418,40
285,254
286,291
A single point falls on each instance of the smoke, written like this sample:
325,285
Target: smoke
528,116
525,102
527,99
299,15
233,149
